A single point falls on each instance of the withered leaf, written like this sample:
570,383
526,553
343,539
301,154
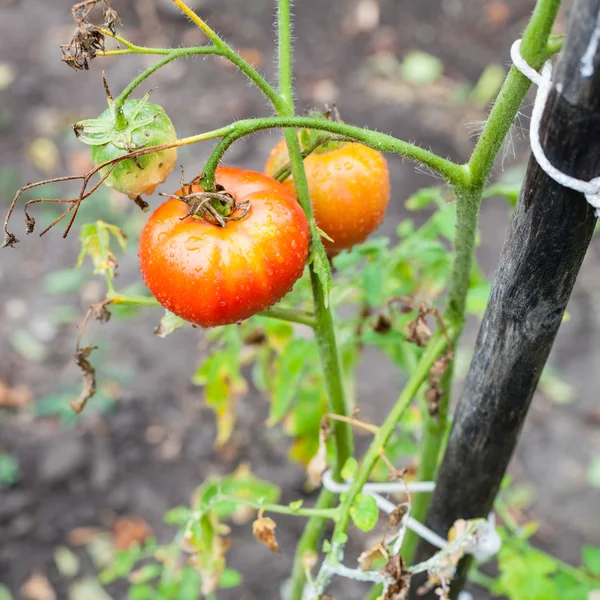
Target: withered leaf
264,531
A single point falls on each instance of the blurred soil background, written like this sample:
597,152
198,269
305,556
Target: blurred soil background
147,440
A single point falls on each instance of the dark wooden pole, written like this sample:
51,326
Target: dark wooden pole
548,237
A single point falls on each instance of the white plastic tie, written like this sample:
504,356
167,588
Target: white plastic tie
591,188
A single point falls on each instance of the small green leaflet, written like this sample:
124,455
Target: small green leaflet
364,512
95,243
168,324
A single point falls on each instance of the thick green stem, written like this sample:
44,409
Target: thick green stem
534,49
453,173
435,348
324,330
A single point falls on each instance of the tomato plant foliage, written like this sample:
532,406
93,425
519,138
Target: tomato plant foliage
294,289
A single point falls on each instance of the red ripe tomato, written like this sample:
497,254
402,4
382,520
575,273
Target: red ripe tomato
211,275
349,188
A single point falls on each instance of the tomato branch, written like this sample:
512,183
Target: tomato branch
230,54
480,165
321,513
454,173
173,55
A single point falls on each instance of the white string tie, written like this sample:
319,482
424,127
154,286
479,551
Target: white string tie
486,545
591,188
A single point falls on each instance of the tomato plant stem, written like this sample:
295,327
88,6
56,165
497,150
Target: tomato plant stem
309,544
435,348
291,315
173,55
450,171
468,199
324,328
320,513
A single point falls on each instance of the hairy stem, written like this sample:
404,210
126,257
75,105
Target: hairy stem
319,513
453,173
173,55
228,52
324,329
535,50
437,345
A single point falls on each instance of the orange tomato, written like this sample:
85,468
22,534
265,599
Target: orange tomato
349,188
211,275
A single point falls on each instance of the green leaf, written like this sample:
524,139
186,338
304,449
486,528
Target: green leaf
424,198
524,574
191,582
168,324
223,383
141,591
146,573
509,191
420,68
324,235
242,484
230,578
570,588
288,369
296,505
96,243
320,263
179,516
374,278
364,512
349,469
590,557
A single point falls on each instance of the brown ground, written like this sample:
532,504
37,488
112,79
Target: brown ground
154,448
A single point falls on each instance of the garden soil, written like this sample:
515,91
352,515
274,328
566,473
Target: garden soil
156,444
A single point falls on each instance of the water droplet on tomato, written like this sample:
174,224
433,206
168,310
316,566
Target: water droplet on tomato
348,166
193,243
162,236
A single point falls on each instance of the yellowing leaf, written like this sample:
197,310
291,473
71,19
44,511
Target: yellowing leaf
96,243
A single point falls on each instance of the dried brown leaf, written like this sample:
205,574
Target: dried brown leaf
396,569
89,378
264,531
128,531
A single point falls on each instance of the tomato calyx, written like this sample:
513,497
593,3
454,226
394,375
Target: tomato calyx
114,126
320,141
217,207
